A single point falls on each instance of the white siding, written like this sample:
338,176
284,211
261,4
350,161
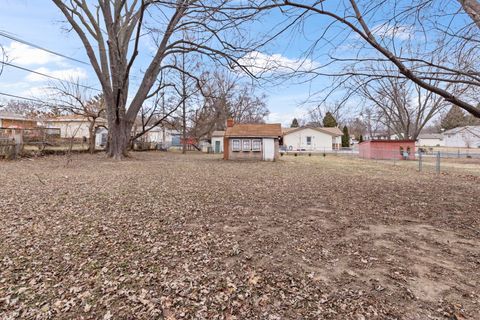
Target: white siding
214,139
320,141
467,138
430,142
70,129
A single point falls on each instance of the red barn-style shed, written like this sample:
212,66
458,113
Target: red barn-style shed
387,149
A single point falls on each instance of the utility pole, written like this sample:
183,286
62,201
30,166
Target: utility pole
163,124
184,109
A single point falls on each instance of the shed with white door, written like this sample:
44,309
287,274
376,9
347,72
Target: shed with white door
252,141
217,141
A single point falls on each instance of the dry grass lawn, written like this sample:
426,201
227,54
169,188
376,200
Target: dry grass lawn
166,236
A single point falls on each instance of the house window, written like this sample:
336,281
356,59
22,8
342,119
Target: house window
309,141
256,145
246,145
236,145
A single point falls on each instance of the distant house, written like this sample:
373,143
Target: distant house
16,121
252,141
73,126
217,141
312,139
430,140
387,149
463,137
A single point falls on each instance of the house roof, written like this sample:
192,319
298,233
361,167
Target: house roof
13,116
331,131
271,130
73,118
459,129
430,136
218,133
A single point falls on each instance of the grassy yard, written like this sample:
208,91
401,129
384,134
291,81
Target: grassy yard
167,236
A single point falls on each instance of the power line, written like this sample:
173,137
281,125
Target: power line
23,98
11,37
48,76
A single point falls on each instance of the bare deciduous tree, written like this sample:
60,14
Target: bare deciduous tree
224,95
389,27
111,31
401,105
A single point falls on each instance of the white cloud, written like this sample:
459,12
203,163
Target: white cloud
286,118
400,32
260,63
64,74
24,55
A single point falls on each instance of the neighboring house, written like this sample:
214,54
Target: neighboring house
158,137
252,141
463,137
217,141
12,120
312,139
430,140
387,149
73,126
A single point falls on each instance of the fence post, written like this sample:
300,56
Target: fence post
420,161
437,164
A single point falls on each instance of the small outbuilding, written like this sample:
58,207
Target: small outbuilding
387,149
252,141
217,141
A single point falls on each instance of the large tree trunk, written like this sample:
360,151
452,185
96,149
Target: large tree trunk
118,139
91,137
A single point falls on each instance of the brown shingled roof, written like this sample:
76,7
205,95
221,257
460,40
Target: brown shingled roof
271,130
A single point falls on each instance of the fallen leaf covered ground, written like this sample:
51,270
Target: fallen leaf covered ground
166,236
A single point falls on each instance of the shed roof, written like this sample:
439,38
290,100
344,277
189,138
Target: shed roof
387,141
331,131
218,133
271,130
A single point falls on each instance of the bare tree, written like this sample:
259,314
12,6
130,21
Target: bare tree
225,95
73,98
388,27
401,105
111,31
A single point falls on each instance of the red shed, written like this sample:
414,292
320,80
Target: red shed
387,149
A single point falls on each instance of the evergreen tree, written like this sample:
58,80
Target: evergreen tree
345,138
294,123
454,118
329,120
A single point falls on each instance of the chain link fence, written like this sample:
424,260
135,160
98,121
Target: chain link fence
427,160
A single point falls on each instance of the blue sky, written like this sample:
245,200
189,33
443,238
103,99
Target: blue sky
41,23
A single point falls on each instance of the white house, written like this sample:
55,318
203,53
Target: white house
463,137
73,126
312,139
430,140
217,141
